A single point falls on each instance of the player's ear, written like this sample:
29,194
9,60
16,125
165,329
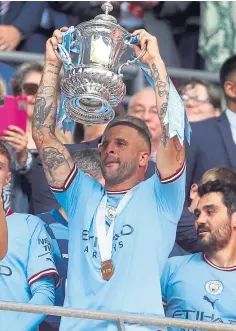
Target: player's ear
193,191
8,178
233,220
144,157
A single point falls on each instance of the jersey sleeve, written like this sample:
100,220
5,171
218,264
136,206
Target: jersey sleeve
40,259
77,184
170,194
43,293
167,278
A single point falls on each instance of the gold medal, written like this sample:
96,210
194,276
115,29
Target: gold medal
107,270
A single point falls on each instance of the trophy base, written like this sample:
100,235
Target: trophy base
90,93
88,109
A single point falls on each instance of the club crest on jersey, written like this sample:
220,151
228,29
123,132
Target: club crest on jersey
214,287
111,212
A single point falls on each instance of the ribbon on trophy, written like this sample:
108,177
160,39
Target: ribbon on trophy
63,121
175,119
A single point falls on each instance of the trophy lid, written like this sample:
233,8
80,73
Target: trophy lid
107,8
105,19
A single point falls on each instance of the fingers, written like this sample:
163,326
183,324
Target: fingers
16,137
136,32
17,130
54,42
64,29
136,50
8,133
57,37
15,140
17,144
144,37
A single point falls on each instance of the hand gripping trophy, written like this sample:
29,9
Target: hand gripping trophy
91,52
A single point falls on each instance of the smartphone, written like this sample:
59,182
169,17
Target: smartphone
13,111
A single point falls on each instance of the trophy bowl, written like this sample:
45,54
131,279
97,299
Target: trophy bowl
92,83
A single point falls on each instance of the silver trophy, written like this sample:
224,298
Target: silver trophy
92,83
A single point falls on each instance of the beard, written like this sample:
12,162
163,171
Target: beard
215,240
120,173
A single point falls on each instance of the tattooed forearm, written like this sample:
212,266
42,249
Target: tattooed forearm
44,104
55,157
56,164
164,131
163,111
52,68
162,87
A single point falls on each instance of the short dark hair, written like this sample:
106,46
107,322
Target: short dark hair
88,160
214,91
228,191
20,74
228,67
222,174
134,122
4,151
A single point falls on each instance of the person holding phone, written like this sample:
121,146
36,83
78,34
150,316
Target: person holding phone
16,193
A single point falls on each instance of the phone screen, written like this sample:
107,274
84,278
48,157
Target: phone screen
13,111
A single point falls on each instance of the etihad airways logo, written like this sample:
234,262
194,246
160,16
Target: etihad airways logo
196,315
91,242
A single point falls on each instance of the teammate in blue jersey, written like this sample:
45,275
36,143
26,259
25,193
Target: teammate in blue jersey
87,160
202,286
120,236
27,272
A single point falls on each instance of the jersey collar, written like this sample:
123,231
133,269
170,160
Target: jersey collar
217,267
117,192
9,212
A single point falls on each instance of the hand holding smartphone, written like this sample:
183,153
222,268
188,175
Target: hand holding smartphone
13,120
13,111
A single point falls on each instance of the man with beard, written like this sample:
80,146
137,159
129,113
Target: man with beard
202,286
120,236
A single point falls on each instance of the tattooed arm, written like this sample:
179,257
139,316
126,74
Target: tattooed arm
55,157
170,153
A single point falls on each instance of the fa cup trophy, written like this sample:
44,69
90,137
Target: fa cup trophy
92,83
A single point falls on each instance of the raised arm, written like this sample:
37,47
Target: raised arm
170,153
56,159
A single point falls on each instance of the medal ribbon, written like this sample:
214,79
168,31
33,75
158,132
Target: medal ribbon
105,237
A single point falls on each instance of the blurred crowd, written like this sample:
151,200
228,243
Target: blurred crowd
183,28
187,39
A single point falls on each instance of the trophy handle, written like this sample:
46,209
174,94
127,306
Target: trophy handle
132,61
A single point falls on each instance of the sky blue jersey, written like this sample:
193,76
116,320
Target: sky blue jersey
144,235
57,228
194,288
28,260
